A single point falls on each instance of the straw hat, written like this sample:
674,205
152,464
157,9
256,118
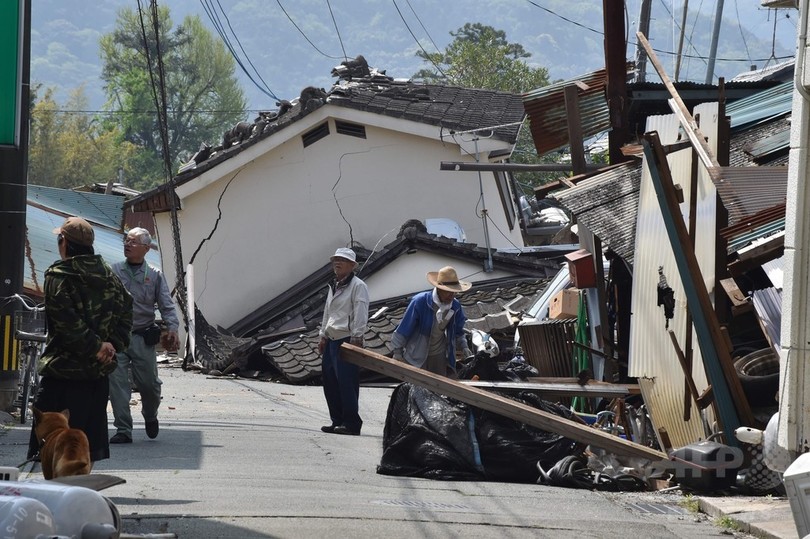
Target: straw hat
447,279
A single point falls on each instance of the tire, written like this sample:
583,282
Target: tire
759,376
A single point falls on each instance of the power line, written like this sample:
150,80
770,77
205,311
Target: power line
214,18
247,57
303,34
742,35
422,25
697,57
337,30
427,56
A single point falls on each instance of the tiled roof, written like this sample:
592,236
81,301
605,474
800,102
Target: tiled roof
290,308
283,334
449,108
297,357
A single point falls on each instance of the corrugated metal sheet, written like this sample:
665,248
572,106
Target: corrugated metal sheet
548,119
652,357
41,250
105,210
606,204
746,191
768,304
762,106
775,143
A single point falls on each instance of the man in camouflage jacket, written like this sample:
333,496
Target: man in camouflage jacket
89,316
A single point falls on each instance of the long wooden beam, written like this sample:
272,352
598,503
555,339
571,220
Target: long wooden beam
564,387
690,126
496,404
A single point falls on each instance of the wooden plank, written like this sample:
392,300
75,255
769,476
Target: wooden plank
496,404
677,105
574,129
568,388
739,303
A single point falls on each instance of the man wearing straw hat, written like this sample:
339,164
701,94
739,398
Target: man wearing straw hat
433,325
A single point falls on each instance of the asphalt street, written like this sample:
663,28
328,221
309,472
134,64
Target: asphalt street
246,458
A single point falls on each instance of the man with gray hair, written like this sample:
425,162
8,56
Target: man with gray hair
149,289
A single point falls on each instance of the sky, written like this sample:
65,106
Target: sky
287,45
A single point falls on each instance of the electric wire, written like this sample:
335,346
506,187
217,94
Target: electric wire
427,56
303,34
688,39
247,57
210,10
742,35
671,53
337,30
422,25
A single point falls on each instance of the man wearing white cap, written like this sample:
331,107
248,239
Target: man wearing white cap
433,325
345,316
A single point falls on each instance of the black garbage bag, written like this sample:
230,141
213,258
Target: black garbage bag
519,370
428,435
483,366
511,451
435,437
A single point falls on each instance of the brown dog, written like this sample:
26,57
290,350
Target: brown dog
63,451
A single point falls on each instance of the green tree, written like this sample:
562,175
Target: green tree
203,96
480,57
69,148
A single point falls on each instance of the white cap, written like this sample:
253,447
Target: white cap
345,252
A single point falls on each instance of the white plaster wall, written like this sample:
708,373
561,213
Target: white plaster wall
284,213
407,275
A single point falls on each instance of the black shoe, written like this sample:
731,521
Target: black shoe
340,429
120,438
152,428
328,428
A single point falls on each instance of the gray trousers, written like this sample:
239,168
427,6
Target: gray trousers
141,359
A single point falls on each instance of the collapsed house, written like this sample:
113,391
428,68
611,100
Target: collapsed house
637,308
343,167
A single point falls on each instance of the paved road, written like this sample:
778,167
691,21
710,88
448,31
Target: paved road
245,458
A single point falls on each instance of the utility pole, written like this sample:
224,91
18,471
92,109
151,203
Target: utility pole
718,18
15,53
680,40
616,67
644,28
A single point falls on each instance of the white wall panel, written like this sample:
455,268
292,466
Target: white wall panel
652,355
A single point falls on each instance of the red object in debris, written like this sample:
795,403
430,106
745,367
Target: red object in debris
580,269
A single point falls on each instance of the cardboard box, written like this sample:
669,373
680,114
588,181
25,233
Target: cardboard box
580,269
564,304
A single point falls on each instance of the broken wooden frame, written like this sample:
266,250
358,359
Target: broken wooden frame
496,403
732,404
